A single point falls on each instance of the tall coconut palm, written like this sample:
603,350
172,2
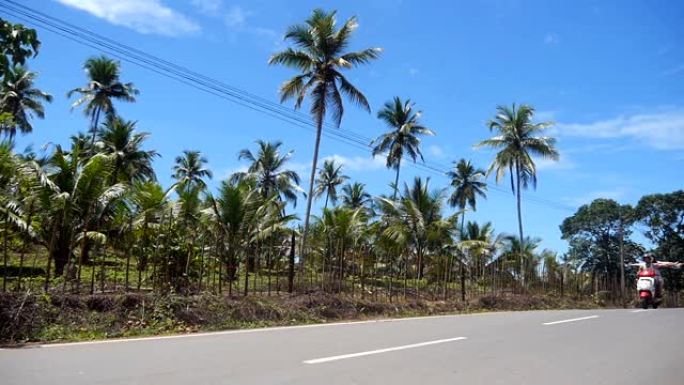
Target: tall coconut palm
320,55
329,178
403,137
131,162
517,141
467,184
189,170
267,170
21,100
355,196
104,86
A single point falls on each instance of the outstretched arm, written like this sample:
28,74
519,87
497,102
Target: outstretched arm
668,265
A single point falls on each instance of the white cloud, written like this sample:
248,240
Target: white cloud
358,163
674,70
208,6
436,151
144,16
551,39
661,130
564,163
545,115
225,174
587,198
237,17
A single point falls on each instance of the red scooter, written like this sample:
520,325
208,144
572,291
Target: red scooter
648,288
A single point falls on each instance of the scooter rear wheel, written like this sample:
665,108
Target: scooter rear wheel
644,303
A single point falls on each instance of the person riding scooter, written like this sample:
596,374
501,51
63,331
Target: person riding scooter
649,273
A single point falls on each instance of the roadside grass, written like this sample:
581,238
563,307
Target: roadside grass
29,318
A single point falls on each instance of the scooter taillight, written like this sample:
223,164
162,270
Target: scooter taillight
644,294
646,273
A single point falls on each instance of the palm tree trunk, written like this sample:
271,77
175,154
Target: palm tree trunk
463,278
83,250
128,267
103,276
520,226
246,277
309,198
93,129
5,253
24,247
291,264
396,180
53,238
327,196
201,272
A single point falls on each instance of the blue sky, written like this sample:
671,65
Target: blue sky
609,73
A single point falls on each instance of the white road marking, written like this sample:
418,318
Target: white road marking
570,320
386,350
639,310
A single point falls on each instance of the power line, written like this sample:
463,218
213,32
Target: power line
214,86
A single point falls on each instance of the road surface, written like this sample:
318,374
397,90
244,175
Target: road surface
532,348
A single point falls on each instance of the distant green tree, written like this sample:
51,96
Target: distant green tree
663,214
594,233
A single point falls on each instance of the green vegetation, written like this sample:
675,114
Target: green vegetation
89,222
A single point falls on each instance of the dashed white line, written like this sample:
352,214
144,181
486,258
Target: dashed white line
378,351
639,310
570,320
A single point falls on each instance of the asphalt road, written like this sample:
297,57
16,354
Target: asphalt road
587,347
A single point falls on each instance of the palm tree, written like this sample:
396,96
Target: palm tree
104,86
21,100
525,251
80,197
465,179
266,169
320,57
18,44
243,217
517,140
189,170
416,219
131,163
355,196
329,177
149,200
403,136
